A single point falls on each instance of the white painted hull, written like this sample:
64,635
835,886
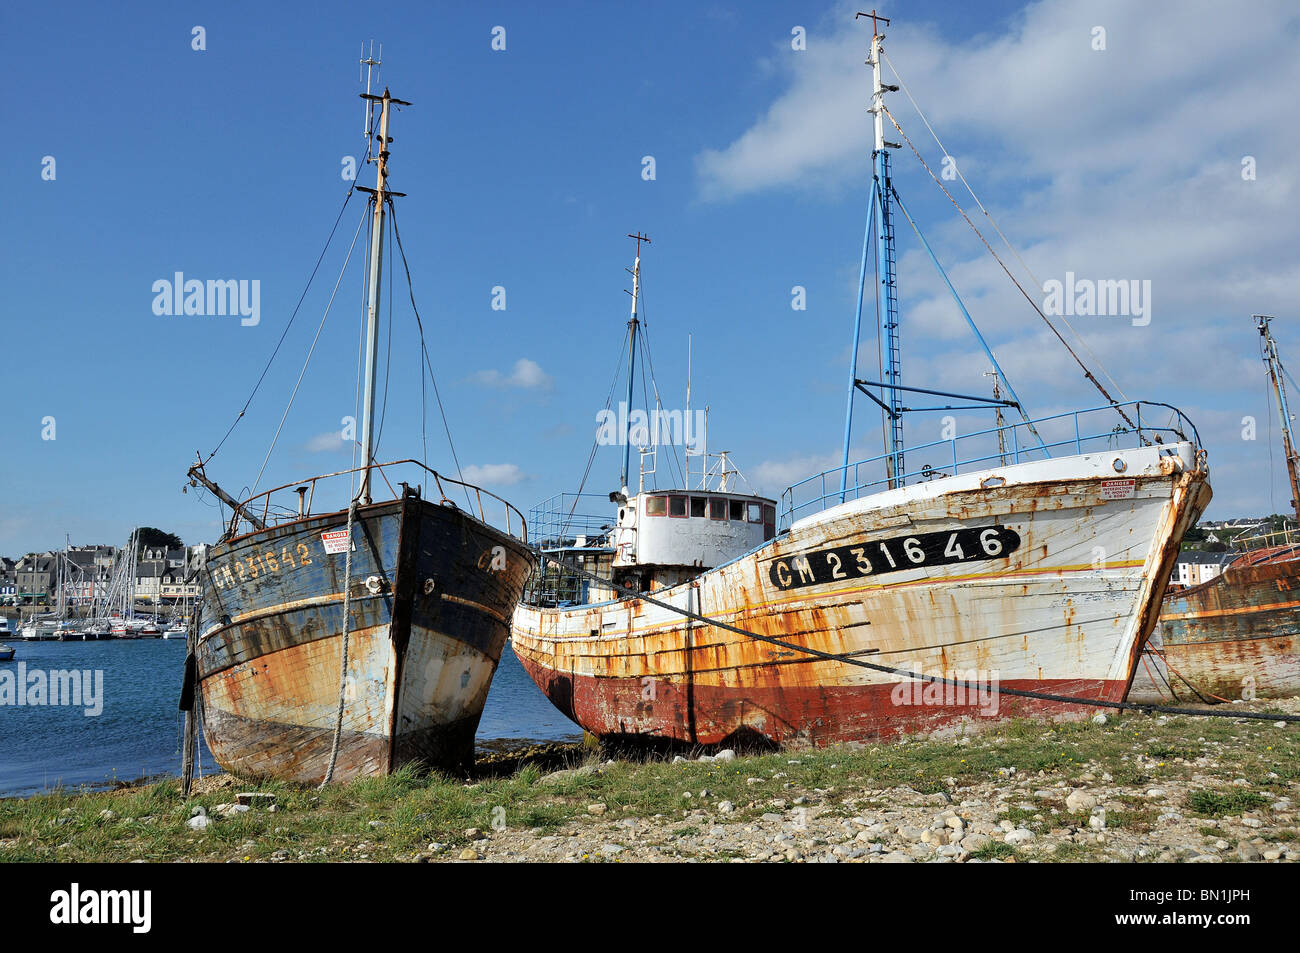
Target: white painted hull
1065,612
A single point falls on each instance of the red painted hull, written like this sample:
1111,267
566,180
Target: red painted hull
714,715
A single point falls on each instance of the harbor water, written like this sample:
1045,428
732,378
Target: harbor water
137,733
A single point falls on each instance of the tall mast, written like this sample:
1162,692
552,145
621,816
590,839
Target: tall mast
1284,413
632,325
378,197
885,262
879,218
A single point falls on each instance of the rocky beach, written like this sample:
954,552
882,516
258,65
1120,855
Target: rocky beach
1135,787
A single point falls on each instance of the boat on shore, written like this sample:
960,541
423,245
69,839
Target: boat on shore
885,600
350,641
1237,636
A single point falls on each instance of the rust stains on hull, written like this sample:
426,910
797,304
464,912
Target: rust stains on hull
429,598
1230,638
1067,595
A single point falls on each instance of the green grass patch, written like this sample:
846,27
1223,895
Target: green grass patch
993,850
1222,803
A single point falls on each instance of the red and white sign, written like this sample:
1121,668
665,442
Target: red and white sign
1118,489
336,541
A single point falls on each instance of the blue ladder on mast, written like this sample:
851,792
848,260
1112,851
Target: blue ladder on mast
888,279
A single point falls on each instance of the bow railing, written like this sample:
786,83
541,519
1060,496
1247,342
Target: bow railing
1075,432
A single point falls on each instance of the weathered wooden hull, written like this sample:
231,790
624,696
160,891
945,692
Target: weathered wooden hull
432,590
1236,636
1065,609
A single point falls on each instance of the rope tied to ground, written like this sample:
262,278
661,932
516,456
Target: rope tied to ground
343,649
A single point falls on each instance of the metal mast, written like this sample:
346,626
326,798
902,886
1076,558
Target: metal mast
632,325
1275,371
378,197
885,260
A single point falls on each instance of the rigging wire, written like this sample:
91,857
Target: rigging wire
361,337
595,443
1034,304
310,352
880,343
1005,241
285,332
397,234
654,384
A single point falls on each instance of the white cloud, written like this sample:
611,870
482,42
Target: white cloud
494,474
527,374
324,442
771,477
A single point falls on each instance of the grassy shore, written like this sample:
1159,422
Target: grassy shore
1136,787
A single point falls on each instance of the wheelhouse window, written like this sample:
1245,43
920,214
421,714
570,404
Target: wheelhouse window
738,510
717,508
756,512
656,506
698,503
677,506
769,521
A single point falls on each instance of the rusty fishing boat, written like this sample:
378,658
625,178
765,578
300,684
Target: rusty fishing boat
873,599
1236,636
340,641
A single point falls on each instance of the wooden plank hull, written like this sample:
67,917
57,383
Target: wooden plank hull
1234,637
1065,609
431,592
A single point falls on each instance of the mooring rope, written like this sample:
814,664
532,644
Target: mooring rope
890,670
343,665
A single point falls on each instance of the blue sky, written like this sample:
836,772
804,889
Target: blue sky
523,169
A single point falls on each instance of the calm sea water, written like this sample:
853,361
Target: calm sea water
138,733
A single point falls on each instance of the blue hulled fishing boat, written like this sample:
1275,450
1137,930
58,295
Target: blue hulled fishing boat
349,642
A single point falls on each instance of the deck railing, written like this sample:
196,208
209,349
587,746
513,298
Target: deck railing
1079,431
267,507
562,518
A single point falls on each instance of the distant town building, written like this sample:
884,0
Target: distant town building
8,580
35,573
1193,568
148,578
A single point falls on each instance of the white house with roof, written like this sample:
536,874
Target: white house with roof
1194,567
